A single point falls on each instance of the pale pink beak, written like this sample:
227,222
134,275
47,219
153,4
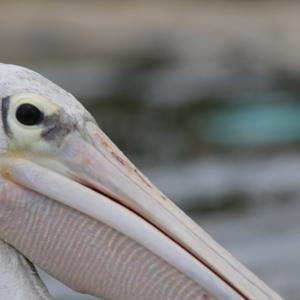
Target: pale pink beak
91,175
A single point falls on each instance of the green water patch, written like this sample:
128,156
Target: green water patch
251,124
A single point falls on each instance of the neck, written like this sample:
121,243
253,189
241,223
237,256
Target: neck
18,277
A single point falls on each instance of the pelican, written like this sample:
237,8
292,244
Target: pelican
75,206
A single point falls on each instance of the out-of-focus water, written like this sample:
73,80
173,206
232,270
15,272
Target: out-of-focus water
204,98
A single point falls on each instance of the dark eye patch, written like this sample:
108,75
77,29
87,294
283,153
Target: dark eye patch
29,115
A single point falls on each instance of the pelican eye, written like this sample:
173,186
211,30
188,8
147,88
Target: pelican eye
29,115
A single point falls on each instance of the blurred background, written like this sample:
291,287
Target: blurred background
204,96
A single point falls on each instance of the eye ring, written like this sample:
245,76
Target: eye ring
29,115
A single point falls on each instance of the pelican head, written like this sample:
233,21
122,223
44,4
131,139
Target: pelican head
77,207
